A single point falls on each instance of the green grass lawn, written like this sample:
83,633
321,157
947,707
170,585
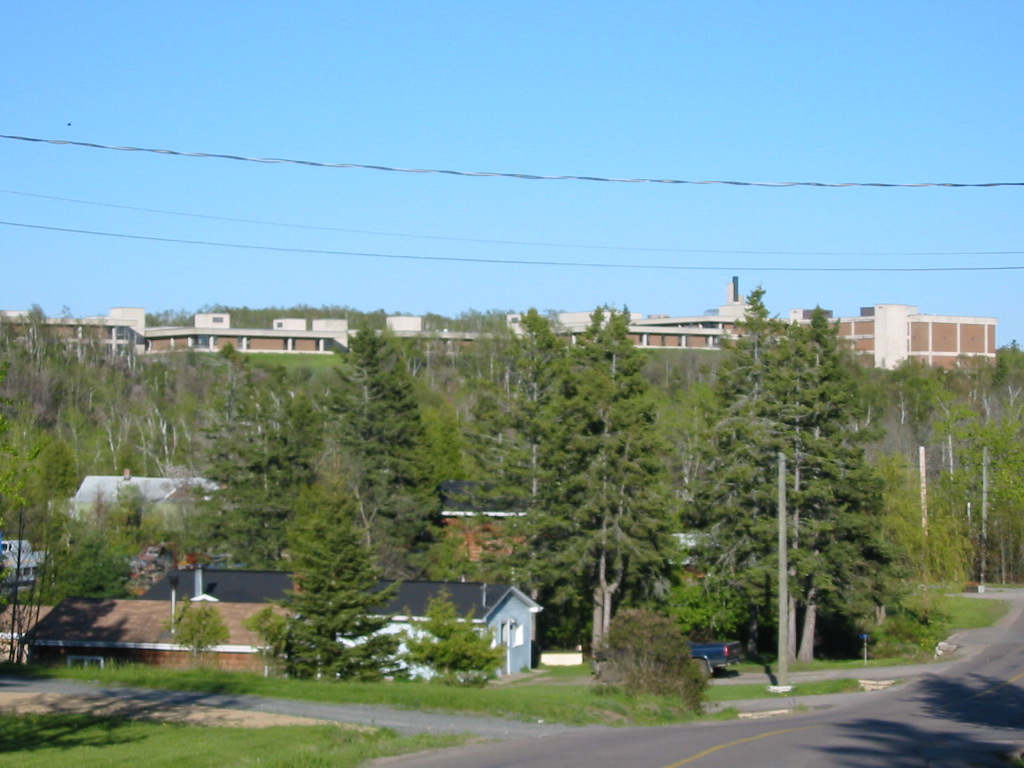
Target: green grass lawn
760,690
293,361
83,741
973,612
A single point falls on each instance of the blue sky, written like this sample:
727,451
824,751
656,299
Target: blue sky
863,91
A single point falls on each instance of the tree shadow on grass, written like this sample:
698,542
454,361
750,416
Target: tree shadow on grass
974,720
22,733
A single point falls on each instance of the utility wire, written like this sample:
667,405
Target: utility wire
531,243
527,176
516,262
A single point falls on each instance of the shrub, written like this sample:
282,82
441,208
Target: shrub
452,646
199,627
646,653
908,634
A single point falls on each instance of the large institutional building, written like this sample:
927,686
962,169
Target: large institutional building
884,335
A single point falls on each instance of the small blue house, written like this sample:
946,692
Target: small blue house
500,609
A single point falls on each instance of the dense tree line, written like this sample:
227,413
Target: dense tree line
639,478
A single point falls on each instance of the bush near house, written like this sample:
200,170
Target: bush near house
199,627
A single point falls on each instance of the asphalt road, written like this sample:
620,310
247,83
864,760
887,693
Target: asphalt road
965,713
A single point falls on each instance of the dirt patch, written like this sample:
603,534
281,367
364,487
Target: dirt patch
106,706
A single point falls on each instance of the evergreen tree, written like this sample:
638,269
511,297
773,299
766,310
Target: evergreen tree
515,417
452,646
264,453
335,627
603,522
91,563
790,388
380,442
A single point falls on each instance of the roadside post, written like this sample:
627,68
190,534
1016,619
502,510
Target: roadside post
782,684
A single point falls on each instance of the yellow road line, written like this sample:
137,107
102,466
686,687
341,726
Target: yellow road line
996,687
707,752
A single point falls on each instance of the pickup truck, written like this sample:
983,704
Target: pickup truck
717,655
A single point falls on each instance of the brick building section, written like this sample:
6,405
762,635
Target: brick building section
886,335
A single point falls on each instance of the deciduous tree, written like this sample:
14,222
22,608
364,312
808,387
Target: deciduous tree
199,627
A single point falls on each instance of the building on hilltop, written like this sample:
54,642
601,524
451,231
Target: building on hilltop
884,335
124,329
702,332
212,332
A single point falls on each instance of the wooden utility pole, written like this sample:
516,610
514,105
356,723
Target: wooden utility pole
984,514
783,577
924,488
922,467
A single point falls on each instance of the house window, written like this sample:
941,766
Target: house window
518,635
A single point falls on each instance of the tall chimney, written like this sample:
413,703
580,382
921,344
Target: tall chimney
199,582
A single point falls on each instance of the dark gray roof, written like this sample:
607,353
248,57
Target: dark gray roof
227,586
233,586
468,597
474,496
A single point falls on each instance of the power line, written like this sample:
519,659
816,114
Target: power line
526,176
514,262
489,241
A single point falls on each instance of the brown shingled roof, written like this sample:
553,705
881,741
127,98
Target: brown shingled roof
93,621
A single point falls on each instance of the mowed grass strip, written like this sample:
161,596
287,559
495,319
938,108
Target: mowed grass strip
760,690
974,612
84,741
570,702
